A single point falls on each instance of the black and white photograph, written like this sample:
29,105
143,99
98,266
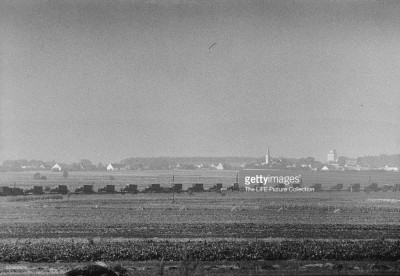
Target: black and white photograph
199,137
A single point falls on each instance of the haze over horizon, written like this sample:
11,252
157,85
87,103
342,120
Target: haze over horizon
107,80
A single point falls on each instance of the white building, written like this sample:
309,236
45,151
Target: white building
113,167
56,167
220,166
268,158
391,169
332,156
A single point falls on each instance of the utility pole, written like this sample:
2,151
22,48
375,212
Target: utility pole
173,188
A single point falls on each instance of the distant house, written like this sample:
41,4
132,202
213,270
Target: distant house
28,167
220,166
56,167
324,168
391,169
352,165
336,167
115,166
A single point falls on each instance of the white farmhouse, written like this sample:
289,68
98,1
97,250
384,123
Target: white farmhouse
391,169
325,168
113,167
56,167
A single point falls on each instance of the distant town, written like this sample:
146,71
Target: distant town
333,162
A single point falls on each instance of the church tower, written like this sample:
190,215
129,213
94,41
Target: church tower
268,158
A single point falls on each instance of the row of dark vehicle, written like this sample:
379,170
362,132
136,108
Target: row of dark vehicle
178,188
356,187
110,189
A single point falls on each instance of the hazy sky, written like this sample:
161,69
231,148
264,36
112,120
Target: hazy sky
107,80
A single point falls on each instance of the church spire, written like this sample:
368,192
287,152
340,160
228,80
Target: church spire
268,158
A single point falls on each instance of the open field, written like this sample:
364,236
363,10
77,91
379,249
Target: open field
292,233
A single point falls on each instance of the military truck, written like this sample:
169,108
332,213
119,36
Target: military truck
373,187
108,189
130,189
36,190
216,188
197,187
86,189
60,189
154,188
317,187
338,187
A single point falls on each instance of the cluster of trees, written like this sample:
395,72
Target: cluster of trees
185,163
193,163
285,163
374,162
39,165
21,164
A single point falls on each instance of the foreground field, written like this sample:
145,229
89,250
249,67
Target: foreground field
187,267
203,215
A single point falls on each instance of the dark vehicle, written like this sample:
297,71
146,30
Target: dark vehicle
154,188
37,190
354,187
373,187
280,186
317,187
197,187
177,188
7,191
296,185
130,189
61,189
338,187
108,189
388,187
17,191
234,187
216,188
86,189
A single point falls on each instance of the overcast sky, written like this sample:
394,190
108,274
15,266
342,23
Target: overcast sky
107,80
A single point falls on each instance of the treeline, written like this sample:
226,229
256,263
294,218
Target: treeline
186,160
283,163
379,161
39,165
194,163
373,162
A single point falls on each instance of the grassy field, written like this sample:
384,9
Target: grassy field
243,232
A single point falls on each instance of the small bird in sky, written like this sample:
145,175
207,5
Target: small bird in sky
215,43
